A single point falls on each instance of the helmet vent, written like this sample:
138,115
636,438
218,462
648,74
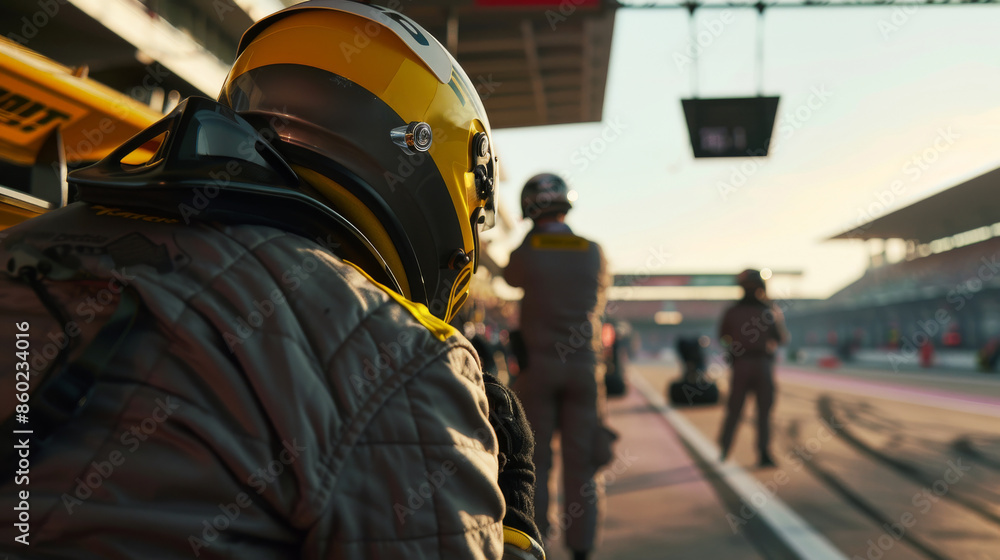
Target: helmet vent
463,281
461,301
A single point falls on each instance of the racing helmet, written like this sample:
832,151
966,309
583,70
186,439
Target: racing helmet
384,127
544,195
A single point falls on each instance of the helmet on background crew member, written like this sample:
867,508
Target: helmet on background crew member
752,283
545,195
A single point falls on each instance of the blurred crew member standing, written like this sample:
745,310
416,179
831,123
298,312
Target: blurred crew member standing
751,331
240,348
564,278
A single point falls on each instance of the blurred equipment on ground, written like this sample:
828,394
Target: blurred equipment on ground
694,387
616,340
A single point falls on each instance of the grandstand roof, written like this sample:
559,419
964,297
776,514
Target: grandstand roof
970,205
954,276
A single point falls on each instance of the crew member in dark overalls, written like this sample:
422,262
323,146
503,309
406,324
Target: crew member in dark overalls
751,331
564,278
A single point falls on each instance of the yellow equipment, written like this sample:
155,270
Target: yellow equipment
52,116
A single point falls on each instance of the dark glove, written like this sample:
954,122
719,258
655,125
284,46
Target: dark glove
517,447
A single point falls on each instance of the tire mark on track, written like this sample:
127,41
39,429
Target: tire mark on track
825,407
964,446
862,505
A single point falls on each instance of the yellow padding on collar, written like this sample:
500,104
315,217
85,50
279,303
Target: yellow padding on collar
441,330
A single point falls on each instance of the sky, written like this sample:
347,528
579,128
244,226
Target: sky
880,107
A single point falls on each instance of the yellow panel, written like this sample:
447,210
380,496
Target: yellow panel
28,113
36,94
559,242
12,215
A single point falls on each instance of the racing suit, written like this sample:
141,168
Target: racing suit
564,278
268,402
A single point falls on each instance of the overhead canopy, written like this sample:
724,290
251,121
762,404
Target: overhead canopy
970,205
534,62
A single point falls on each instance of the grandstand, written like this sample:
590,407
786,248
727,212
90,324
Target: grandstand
946,291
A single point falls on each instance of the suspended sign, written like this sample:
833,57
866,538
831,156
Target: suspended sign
730,127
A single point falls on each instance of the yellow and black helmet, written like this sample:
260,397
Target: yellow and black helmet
382,123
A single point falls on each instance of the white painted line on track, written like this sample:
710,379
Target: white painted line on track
798,536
